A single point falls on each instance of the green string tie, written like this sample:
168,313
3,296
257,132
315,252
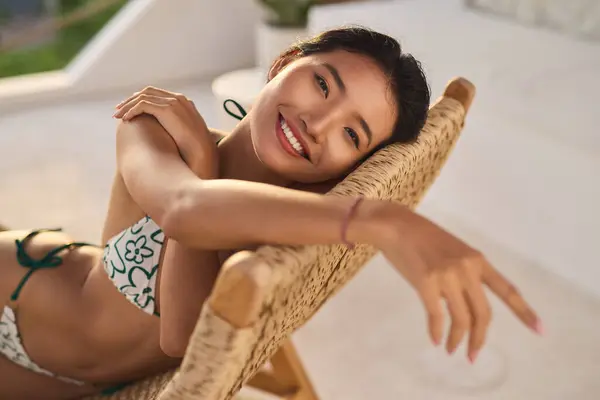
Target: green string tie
240,109
50,260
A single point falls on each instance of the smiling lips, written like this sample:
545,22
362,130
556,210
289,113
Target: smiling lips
289,140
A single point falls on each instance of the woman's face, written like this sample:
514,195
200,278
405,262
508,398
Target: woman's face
320,114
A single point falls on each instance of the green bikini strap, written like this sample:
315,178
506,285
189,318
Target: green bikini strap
240,109
50,260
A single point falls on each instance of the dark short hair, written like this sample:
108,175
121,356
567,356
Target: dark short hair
406,77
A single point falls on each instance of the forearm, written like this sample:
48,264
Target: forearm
186,280
191,148
152,170
230,214
225,214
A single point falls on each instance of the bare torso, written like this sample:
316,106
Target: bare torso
73,320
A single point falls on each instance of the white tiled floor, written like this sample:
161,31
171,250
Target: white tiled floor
56,165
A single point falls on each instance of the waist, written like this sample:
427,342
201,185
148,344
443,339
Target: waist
112,353
116,338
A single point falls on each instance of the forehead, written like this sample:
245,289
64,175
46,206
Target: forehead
368,89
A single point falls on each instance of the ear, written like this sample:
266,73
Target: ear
283,61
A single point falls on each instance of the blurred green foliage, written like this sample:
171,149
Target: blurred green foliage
58,53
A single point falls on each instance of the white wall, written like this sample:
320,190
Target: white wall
580,17
157,40
148,42
526,171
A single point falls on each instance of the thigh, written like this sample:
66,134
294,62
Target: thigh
17,383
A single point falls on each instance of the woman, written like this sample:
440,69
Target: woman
90,318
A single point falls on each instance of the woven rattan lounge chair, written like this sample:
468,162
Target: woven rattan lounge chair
262,297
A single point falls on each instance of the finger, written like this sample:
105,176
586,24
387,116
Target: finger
127,100
509,294
432,300
145,107
185,101
143,97
190,105
481,315
458,309
149,90
153,91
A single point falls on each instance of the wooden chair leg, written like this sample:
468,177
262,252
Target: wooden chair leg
287,378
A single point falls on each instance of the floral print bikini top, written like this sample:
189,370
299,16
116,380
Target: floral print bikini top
131,261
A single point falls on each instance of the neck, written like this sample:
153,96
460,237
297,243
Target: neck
238,160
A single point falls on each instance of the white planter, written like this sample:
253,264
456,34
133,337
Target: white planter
271,41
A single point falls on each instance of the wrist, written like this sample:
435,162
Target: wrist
204,166
374,223
202,160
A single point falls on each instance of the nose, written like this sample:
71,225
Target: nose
321,122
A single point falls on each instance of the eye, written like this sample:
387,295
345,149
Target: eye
353,135
322,84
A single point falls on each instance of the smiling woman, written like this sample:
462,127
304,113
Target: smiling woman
359,95
185,198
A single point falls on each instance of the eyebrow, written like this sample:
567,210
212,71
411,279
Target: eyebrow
342,86
336,77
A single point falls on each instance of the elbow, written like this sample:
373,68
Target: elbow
169,221
179,220
174,344
174,218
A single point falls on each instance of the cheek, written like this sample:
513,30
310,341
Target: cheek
264,101
297,89
338,157
263,114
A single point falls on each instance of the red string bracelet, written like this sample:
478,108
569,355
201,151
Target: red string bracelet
346,221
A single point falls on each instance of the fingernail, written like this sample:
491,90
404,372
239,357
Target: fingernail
473,356
539,327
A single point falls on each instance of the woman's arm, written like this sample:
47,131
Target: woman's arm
218,214
147,157
215,214
225,214
187,277
182,121
229,214
155,176
146,154
187,274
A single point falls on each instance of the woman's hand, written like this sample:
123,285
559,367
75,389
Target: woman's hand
180,118
442,268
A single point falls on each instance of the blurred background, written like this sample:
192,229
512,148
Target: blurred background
522,184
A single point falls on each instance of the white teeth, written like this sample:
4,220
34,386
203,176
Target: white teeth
291,138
